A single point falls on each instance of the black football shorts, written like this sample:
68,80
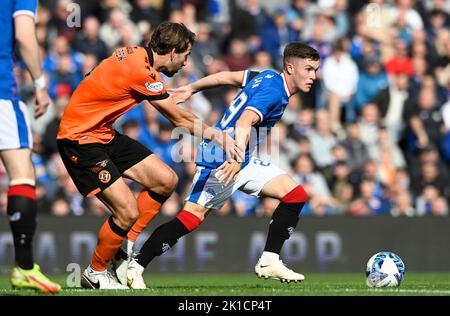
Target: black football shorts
94,167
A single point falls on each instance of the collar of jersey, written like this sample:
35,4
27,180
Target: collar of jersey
150,55
286,87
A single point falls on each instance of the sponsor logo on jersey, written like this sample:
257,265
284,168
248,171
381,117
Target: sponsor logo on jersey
154,87
99,165
209,194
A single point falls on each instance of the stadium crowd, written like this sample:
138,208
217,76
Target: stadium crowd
372,138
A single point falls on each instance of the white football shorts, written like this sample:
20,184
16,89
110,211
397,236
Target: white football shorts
207,191
15,130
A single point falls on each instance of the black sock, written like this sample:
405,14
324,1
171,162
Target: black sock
21,212
284,220
163,238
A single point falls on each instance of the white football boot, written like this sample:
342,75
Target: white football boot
100,280
120,266
134,275
277,271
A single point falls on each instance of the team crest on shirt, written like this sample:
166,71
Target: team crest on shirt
155,86
104,176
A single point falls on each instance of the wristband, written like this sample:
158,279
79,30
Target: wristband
40,82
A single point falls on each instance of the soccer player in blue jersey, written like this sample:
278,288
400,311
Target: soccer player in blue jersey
260,104
17,19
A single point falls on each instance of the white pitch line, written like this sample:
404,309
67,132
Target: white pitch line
402,291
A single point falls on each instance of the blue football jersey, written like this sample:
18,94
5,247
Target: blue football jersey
267,94
9,10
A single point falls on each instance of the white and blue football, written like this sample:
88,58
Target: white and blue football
385,269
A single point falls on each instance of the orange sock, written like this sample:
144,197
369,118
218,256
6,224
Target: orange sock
110,238
149,204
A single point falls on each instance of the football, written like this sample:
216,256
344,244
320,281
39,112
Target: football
385,269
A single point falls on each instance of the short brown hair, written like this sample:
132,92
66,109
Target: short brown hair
299,50
169,35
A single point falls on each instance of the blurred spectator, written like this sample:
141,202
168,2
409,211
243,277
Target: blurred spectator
430,176
247,20
404,10
276,35
341,17
369,124
385,146
60,17
64,79
88,41
304,172
321,36
304,124
356,149
425,198
205,48
371,81
424,118
402,205
244,204
112,31
61,48
263,61
322,140
391,102
340,77
439,207
400,62
369,202
147,11
238,57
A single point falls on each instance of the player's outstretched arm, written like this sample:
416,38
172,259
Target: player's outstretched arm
183,93
29,50
186,119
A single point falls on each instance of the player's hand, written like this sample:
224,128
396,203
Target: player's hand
42,102
181,94
228,171
232,150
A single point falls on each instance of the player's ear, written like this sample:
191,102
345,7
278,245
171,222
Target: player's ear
172,54
289,68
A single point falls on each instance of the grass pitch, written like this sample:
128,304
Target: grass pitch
332,284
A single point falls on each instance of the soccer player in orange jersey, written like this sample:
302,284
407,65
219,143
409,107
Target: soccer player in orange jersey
98,158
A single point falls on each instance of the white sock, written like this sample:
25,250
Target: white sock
269,258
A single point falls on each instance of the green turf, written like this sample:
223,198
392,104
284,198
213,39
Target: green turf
415,284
